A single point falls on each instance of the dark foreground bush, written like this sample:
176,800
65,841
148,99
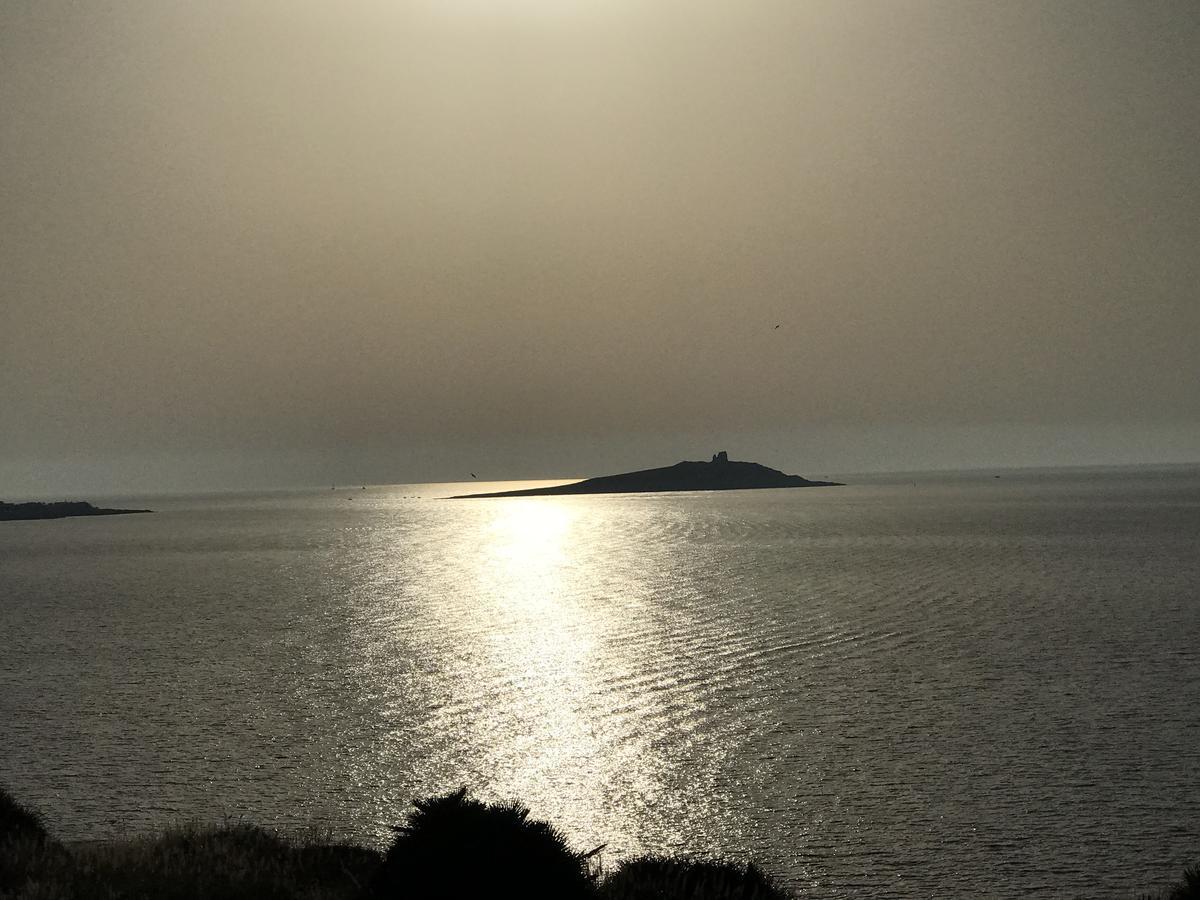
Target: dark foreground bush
660,878
1187,889
25,848
231,862
454,847
17,821
451,847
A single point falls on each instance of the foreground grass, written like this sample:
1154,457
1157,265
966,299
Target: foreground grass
233,860
655,877
229,861
450,848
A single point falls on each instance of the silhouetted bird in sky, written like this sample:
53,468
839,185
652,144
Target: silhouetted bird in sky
776,326
473,475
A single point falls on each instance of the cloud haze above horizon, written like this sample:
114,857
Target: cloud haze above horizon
300,242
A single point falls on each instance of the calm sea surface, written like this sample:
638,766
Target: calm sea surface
947,686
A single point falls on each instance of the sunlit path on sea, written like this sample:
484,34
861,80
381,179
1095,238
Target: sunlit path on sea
554,663
954,687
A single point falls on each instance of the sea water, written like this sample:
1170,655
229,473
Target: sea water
907,687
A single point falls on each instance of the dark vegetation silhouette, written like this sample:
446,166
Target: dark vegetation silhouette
235,861
19,822
454,846
653,877
450,846
26,850
1188,887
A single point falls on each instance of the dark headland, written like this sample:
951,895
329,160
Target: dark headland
718,474
16,511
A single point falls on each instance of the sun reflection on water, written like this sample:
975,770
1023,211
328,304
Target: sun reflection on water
541,640
547,668
528,544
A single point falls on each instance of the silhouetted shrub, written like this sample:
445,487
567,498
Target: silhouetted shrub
664,878
18,821
230,862
1187,889
457,847
27,852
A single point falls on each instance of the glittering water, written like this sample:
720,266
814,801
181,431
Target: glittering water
947,687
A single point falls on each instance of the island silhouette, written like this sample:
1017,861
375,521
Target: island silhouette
718,474
60,510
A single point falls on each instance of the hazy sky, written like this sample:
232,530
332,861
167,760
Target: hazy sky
286,241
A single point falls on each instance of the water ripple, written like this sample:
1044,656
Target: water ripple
972,690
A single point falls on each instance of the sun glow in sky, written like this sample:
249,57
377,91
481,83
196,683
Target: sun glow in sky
574,13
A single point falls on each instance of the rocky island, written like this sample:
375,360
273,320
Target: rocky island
718,474
16,511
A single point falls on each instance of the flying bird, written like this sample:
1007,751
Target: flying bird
473,475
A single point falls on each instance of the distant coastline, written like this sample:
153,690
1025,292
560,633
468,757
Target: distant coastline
718,474
15,512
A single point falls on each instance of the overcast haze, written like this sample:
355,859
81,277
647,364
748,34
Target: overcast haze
290,242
